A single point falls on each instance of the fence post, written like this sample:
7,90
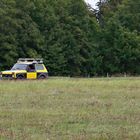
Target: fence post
107,75
125,74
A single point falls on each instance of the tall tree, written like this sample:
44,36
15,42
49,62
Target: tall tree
8,33
120,46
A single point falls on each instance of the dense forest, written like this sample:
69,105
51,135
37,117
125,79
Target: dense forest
73,38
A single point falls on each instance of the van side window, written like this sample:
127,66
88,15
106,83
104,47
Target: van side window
39,67
31,68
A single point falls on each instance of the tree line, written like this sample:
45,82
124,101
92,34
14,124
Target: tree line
72,38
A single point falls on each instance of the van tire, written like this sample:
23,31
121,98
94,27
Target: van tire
42,77
20,77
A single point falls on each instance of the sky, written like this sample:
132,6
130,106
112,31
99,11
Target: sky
92,2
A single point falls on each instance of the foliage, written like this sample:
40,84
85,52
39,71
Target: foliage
70,38
120,38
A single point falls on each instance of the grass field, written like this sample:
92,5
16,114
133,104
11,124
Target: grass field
70,109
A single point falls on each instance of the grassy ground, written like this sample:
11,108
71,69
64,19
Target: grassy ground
70,109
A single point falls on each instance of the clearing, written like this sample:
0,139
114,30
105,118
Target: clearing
70,109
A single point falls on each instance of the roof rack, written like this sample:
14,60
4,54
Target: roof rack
32,60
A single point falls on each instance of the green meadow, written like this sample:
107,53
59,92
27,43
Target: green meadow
70,109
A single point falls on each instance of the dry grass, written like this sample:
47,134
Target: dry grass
74,109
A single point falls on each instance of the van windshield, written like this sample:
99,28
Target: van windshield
19,67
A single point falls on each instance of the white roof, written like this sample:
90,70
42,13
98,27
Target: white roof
30,60
28,63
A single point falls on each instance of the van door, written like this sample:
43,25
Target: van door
31,72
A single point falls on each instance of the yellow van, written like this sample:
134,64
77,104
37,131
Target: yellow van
26,68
